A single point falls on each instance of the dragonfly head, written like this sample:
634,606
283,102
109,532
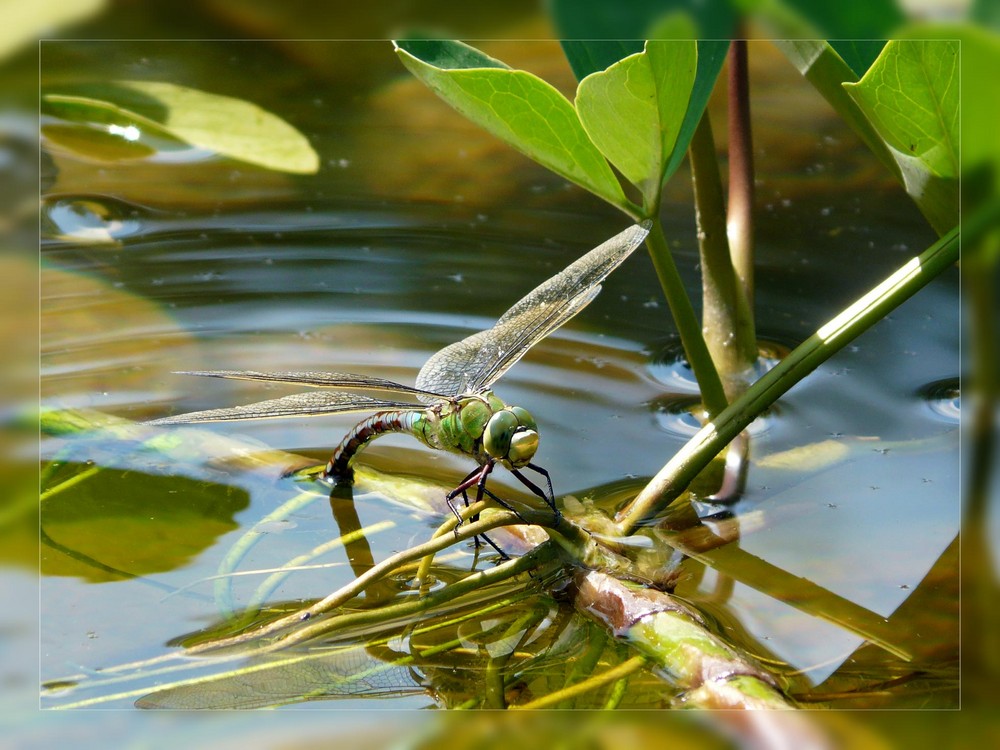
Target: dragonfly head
511,437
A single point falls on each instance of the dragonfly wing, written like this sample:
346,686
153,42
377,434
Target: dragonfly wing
318,380
448,370
476,362
312,403
463,367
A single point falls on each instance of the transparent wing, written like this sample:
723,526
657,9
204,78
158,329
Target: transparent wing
308,404
318,380
476,362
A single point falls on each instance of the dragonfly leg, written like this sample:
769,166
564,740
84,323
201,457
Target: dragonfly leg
549,499
474,477
480,490
503,504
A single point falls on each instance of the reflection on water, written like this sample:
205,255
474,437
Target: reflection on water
153,267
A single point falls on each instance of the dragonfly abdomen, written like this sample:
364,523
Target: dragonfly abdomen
338,468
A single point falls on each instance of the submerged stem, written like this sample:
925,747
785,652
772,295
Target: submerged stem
675,476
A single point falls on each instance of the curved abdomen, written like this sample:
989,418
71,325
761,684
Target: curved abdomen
338,469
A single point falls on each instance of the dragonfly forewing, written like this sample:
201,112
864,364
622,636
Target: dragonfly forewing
476,362
308,404
319,380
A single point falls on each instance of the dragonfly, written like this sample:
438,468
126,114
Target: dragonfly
453,407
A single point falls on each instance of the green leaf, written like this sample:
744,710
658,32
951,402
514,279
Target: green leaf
911,97
980,150
823,67
517,107
230,127
711,56
633,110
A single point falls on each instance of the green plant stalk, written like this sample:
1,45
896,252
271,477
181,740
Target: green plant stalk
349,591
540,559
612,675
675,476
726,319
739,212
268,586
695,349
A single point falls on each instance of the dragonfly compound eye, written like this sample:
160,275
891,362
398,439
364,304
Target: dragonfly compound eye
524,418
523,446
511,436
498,434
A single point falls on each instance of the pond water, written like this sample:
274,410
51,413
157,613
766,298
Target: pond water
417,231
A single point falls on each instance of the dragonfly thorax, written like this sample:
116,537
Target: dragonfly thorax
481,426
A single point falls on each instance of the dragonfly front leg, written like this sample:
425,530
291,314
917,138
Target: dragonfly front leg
549,499
474,477
478,478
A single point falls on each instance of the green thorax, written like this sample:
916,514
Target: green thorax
463,425
458,425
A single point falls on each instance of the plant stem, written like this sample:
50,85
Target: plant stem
726,319
675,476
739,223
533,561
712,394
612,675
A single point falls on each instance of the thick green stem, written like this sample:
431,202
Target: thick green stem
712,394
675,476
726,318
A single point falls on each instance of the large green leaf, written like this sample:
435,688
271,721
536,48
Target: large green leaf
517,107
824,68
633,110
227,126
911,97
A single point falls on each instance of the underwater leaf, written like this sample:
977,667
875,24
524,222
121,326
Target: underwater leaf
223,124
117,524
517,107
911,97
634,109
